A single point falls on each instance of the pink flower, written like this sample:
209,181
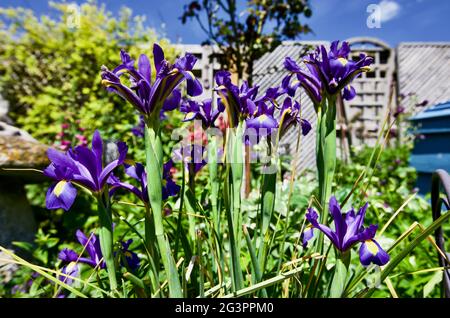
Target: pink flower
80,137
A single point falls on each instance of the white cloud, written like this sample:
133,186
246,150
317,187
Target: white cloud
389,10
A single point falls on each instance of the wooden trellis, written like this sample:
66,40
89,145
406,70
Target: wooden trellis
375,91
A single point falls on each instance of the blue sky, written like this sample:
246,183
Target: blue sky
401,20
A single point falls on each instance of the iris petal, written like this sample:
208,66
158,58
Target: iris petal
312,217
158,57
63,198
145,68
173,101
349,92
371,252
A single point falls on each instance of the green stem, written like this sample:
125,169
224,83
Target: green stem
232,191
326,156
106,237
150,236
154,166
214,179
214,194
268,191
191,209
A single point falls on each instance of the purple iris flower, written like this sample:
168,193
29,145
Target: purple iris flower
92,246
203,111
264,122
244,105
128,258
327,72
290,116
349,230
240,100
261,124
162,94
137,172
262,117
272,94
81,166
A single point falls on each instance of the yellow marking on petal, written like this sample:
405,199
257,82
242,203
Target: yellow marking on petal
130,162
174,71
191,74
71,267
59,188
372,247
106,83
366,68
124,70
262,118
190,115
343,61
127,254
295,82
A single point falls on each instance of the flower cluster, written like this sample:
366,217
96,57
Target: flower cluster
91,245
243,104
328,72
349,230
151,97
203,111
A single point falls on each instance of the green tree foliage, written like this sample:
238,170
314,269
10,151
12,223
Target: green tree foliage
50,67
245,36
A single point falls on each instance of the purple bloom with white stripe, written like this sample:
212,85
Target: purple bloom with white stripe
349,230
81,166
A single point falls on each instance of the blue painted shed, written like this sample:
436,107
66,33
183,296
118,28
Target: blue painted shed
432,150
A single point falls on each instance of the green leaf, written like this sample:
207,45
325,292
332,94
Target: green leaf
28,247
435,280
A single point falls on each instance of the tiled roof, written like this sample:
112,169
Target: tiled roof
424,72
